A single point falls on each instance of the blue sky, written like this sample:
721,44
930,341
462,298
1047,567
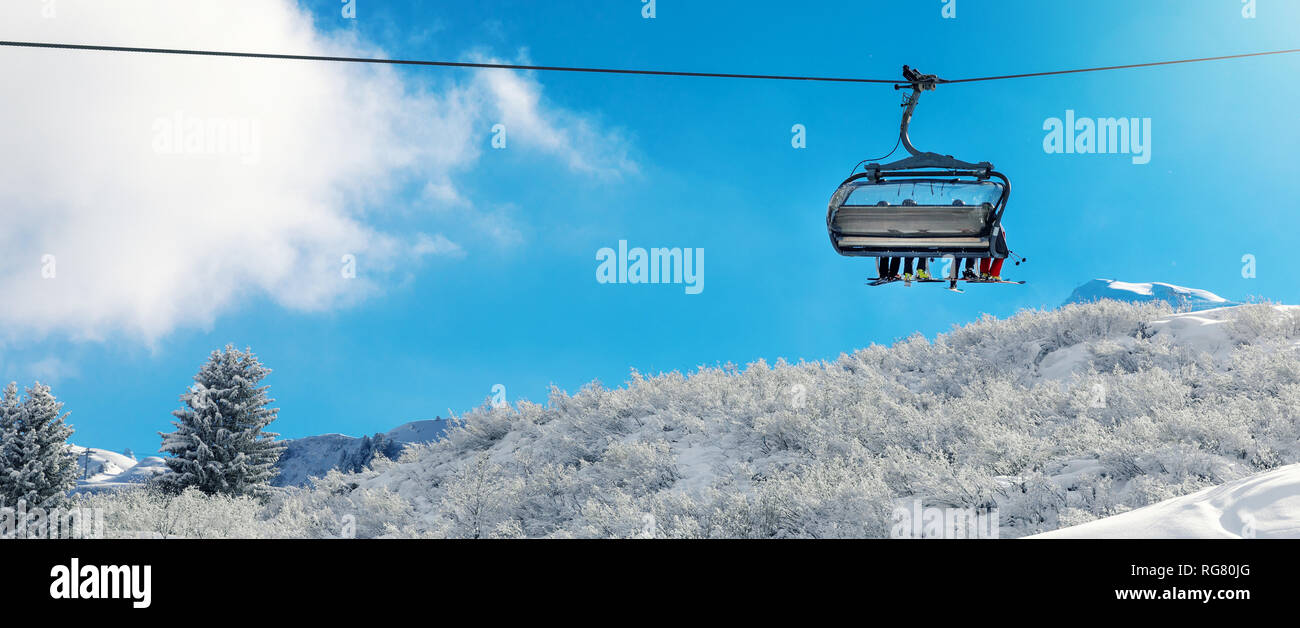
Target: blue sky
715,155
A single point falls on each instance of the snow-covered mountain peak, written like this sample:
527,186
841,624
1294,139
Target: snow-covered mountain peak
1177,296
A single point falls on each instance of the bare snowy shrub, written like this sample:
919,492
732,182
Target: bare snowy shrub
151,513
337,507
1073,517
1264,320
478,500
637,467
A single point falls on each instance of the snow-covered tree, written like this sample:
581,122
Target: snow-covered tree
9,443
219,446
36,463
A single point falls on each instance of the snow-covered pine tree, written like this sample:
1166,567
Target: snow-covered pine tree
56,470
9,444
219,445
35,459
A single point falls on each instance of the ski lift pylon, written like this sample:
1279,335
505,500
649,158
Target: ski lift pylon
925,205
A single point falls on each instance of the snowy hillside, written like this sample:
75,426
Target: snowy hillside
418,431
1053,418
101,469
1176,296
1265,506
314,456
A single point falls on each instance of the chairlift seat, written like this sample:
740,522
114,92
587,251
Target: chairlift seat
860,227
924,205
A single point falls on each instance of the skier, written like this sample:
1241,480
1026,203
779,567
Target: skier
887,267
922,268
991,268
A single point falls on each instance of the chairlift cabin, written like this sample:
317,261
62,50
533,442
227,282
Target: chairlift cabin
926,205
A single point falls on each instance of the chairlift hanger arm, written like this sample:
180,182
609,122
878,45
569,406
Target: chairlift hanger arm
919,82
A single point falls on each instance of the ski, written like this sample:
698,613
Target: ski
1015,283
872,281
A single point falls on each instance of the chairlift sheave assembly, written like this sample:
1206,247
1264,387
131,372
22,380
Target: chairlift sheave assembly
926,205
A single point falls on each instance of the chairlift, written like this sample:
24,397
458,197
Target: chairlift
925,205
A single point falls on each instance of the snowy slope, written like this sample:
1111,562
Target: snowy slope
100,469
1057,417
1214,332
418,431
1177,296
1108,418
1265,505
101,464
314,456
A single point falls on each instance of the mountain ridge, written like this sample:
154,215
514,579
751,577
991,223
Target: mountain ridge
1180,297
304,458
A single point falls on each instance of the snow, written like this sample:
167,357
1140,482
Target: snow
1265,505
1062,364
1208,331
1204,332
1177,296
699,465
101,464
418,431
103,469
1080,413
314,456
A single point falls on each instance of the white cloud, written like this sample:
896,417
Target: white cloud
436,245
517,98
168,189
